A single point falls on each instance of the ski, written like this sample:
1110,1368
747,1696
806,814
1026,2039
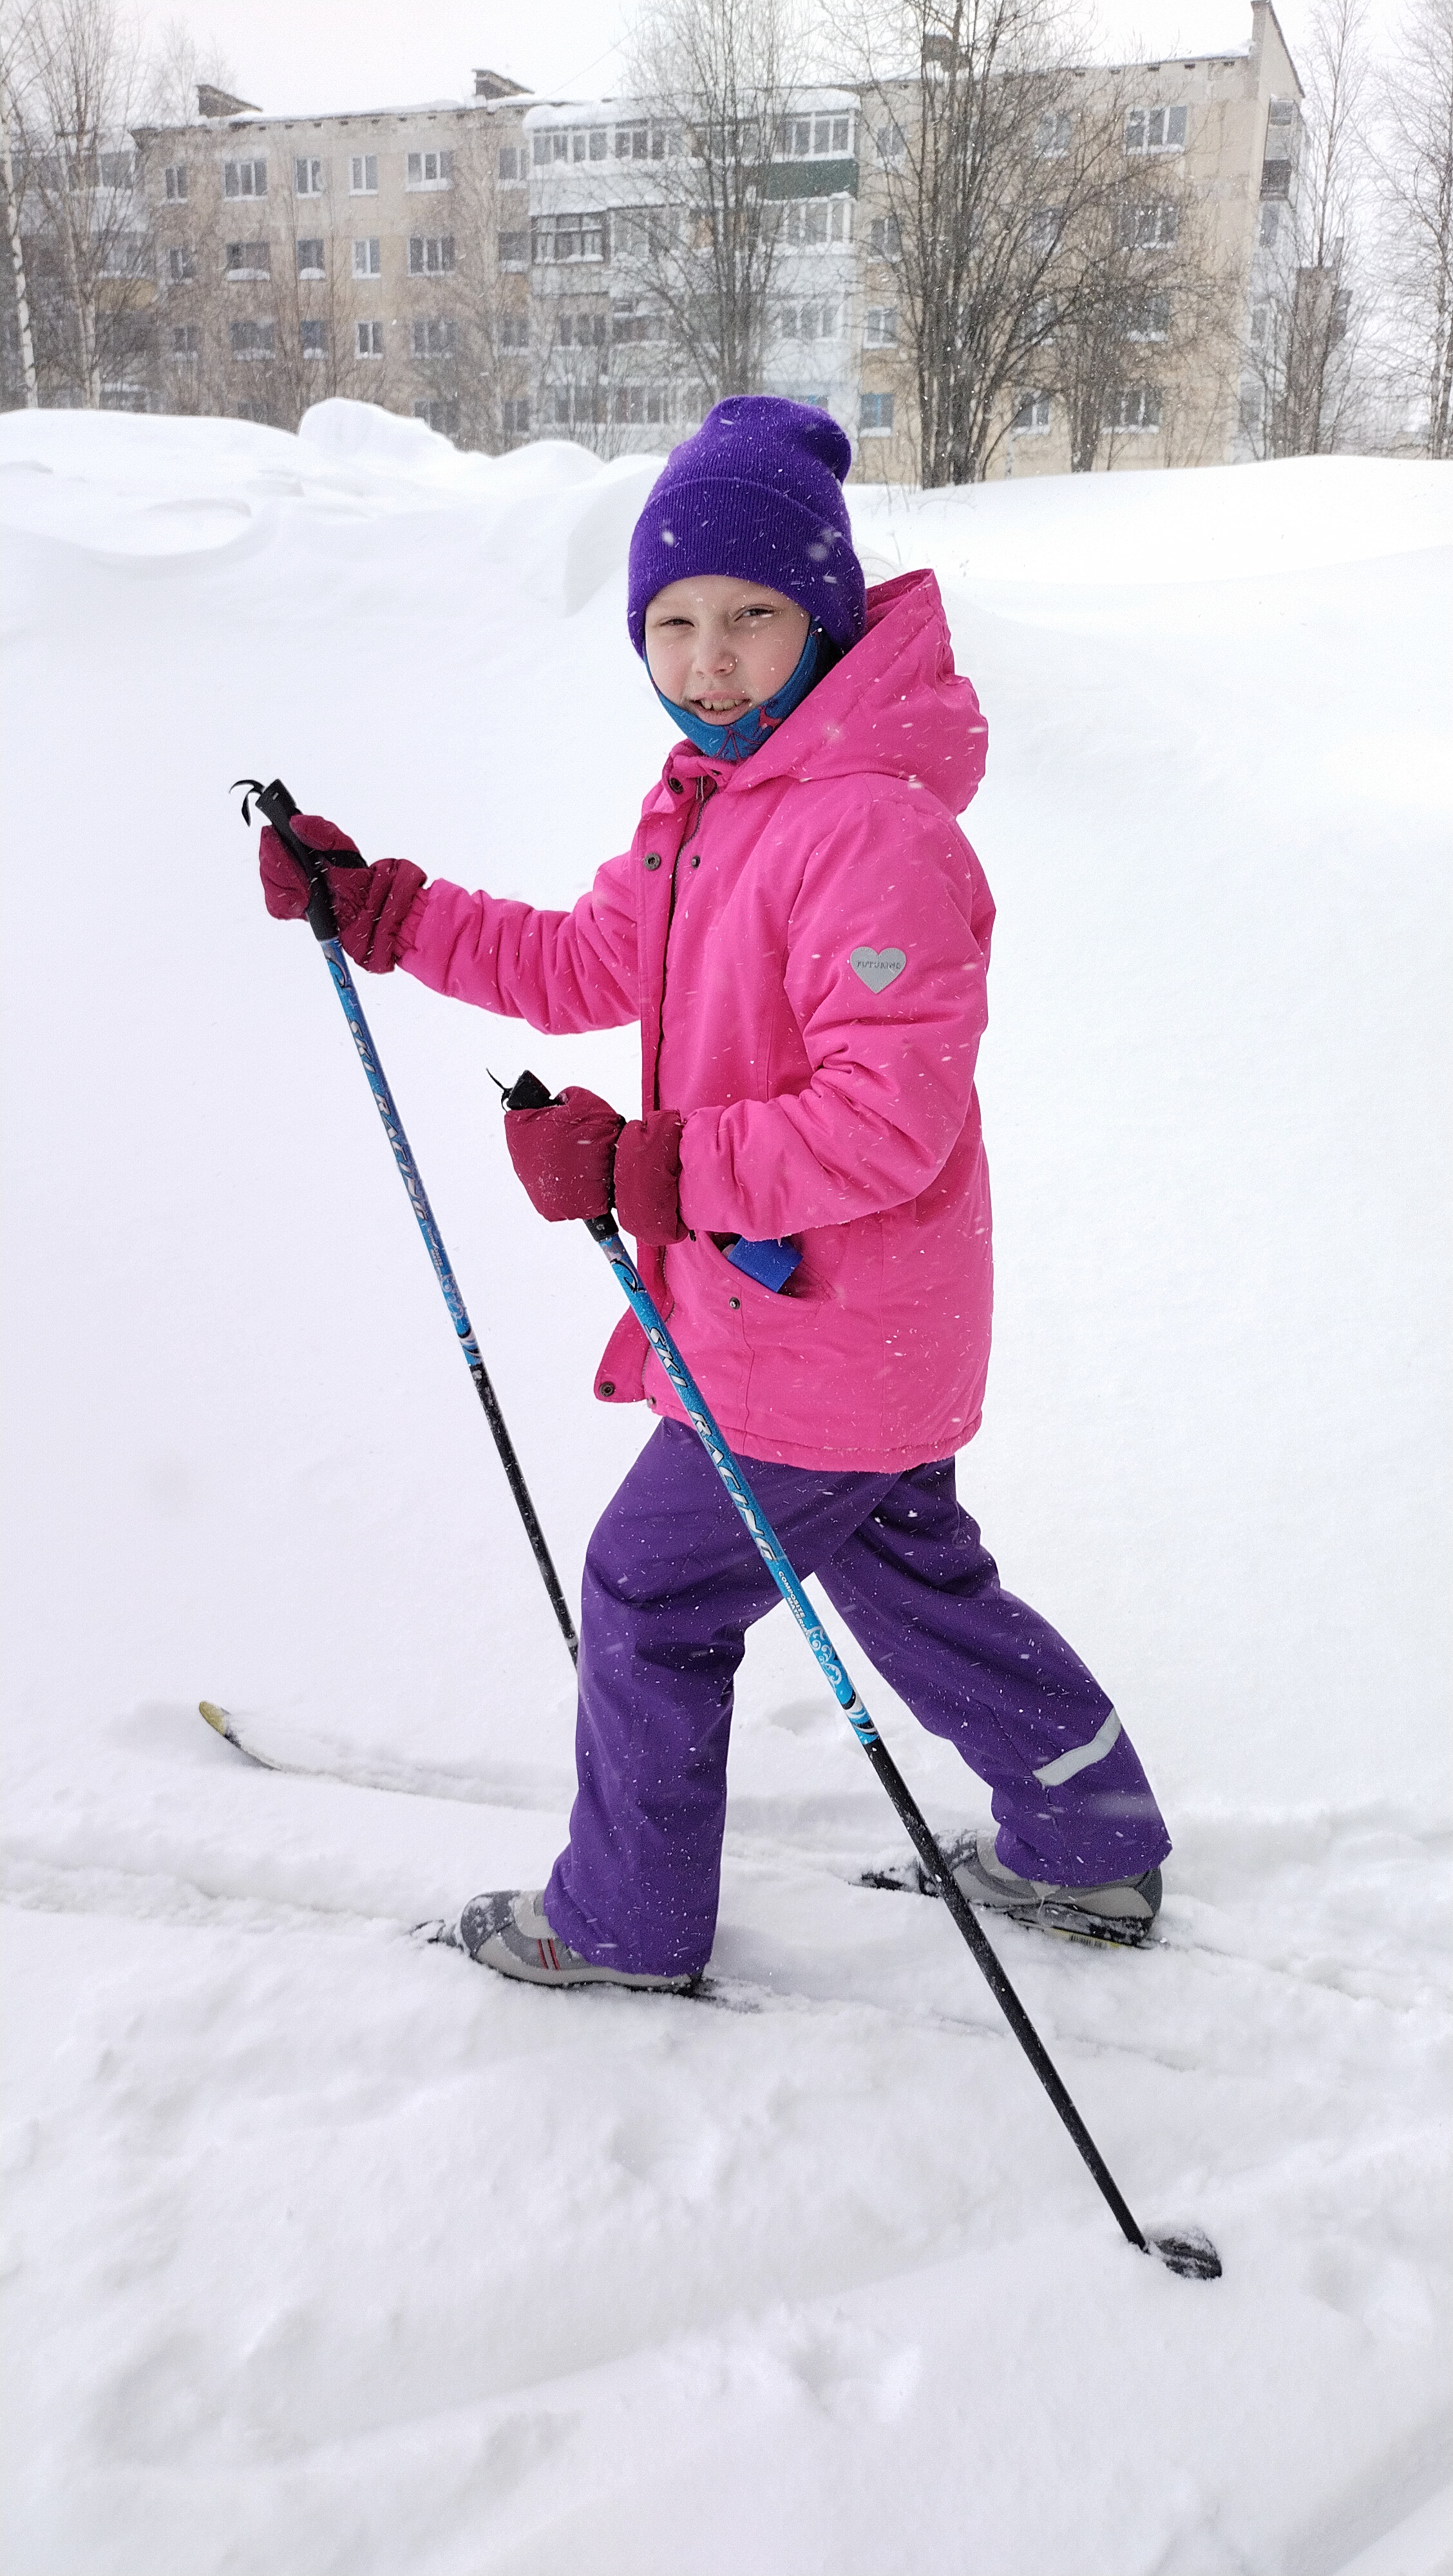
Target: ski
401,1779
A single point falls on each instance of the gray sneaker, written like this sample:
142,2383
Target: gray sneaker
1119,1909
509,1931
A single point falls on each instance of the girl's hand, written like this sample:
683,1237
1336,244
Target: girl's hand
579,1158
370,904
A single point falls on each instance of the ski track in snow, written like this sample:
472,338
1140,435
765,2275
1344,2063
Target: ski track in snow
325,2251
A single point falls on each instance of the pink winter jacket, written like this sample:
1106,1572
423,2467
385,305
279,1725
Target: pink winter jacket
804,940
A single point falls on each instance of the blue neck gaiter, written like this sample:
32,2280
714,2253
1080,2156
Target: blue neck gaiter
747,734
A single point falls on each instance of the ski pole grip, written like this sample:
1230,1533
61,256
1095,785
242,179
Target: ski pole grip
278,807
528,1092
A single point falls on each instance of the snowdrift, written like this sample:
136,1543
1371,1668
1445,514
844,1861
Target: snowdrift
328,2253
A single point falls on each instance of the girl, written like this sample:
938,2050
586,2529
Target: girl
802,932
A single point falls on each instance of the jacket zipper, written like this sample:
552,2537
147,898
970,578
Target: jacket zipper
704,788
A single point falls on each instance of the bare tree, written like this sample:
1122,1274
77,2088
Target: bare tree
25,338
79,76
993,173
488,368
719,78
1305,326
1415,181
1142,312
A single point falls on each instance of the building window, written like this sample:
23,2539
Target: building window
635,321
885,238
244,178
367,256
368,339
1276,178
310,259
582,331
562,238
1033,413
261,412
1134,407
314,339
514,331
810,321
514,250
363,174
581,406
252,339
813,138
517,417
124,255
1149,319
186,341
181,264
1268,226
307,178
435,339
1052,134
1153,225
248,259
811,222
1044,228
637,406
1282,111
892,145
118,169
640,140
1155,129
875,415
644,232
512,165
176,183
443,416
587,143
429,170
880,326
432,258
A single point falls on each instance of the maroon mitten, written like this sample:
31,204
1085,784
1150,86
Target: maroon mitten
564,1154
648,1177
370,905
284,880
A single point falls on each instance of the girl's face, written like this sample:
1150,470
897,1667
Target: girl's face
721,646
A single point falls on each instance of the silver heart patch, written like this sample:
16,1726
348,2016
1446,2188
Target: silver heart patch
877,966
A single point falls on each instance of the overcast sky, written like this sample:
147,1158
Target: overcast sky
313,55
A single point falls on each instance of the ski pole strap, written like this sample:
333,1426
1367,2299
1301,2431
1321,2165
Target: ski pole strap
277,807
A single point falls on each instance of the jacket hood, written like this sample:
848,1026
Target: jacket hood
893,707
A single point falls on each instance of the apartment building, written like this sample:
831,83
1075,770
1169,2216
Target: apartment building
618,322
375,255
507,267
1211,146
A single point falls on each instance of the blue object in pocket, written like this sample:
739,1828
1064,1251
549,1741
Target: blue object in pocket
771,1262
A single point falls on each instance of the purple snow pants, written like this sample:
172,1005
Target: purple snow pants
672,1583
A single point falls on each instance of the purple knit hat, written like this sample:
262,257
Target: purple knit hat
756,494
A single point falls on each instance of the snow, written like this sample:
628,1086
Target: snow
328,2252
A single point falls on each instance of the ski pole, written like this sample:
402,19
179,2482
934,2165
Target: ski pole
279,808
1190,2253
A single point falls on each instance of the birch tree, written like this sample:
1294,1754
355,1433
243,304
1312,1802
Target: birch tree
1415,183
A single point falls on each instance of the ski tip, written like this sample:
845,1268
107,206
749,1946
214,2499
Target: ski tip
216,1717
1189,2252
